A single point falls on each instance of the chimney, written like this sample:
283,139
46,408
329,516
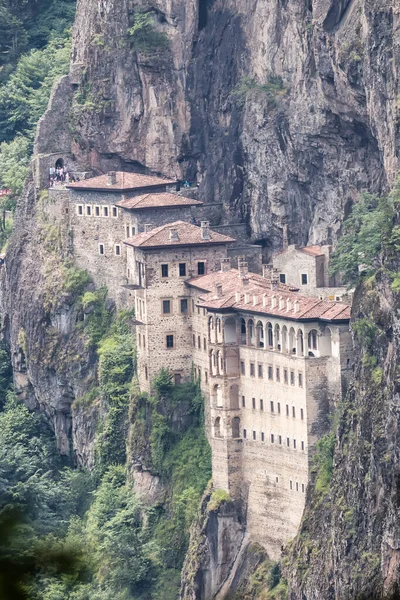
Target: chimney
285,242
288,305
246,298
173,235
112,178
281,302
243,269
205,230
225,265
296,306
148,227
237,297
265,300
218,290
255,300
273,301
267,272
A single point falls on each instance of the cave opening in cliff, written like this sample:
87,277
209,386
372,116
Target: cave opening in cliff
202,14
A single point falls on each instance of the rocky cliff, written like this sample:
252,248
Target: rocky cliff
282,111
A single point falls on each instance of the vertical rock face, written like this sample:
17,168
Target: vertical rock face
283,111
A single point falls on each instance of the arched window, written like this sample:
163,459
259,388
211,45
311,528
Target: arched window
217,427
278,337
270,336
216,396
220,363
59,163
243,331
235,427
292,341
284,339
234,397
260,335
300,344
250,327
210,329
230,330
312,340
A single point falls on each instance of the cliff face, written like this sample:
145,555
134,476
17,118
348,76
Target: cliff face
349,542
283,111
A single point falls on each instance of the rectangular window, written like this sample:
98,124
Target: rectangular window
133,230
302,445
282,278
270,373
204,344
206,376
170,341
114,211
242,368
127,231
164,270
272,438
252,370
288,442
245,433
140,340
88,210
301,414
144,341
117,250
198,342
101,248
291,377
287,410
97,211
105,211
280,439
297,487
201,268
294,444
293,411
262,436
182,269
291,484
278,374
253,402
198,310
300,379
166,307
272,406
194,342
302,487
192,305
261,404
260,371
254,435
304,279
279,408
79,209
243,401
285,376
184,306
146,374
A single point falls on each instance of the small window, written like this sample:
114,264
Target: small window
302,445
133,230
201,268
252,370
127,231
206,376
105,211
114,211
97,211
291,484
194,344
166,307
301,414
254,435
243,401
300,379
79,209
253,402
272,406
262,436
204,344
304,279
260,371
192,305
285,375
282,278
297,487
140,340
302,487
288,442
270,373
198,310
293,411
117,250
88,210
146,374
170,341
184,306
182,269
279,408
280,439
294,444
277,479
261,404
291,377
278,374
144,341
245,433
198,342
242,367
164,270
272,438
101,249
287,410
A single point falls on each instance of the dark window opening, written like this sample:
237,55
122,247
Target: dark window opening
201,268
184,305
170,341
304,279
282,278
164,270
182,269
166,307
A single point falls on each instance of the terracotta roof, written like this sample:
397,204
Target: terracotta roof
312,250
124,182
257,291
163,199
186,235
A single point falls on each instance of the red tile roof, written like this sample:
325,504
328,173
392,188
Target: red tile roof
254,288
124,182
187,235
163,199
312,250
